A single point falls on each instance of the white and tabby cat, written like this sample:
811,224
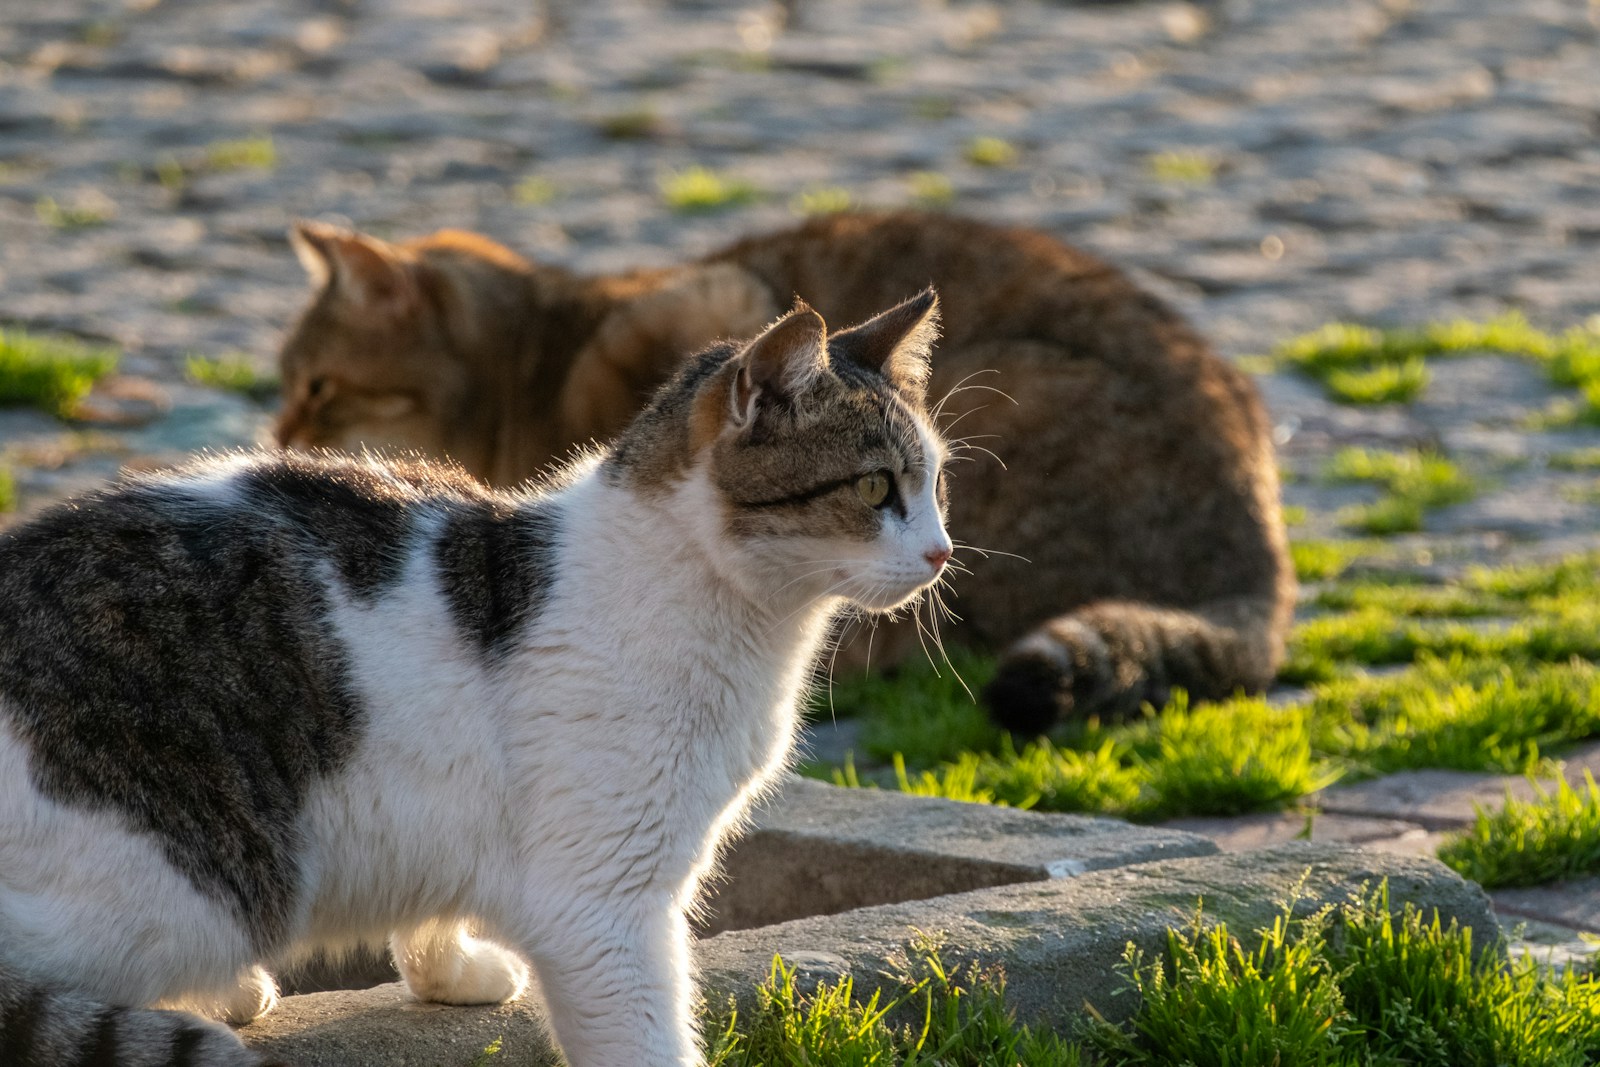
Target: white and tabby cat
268,704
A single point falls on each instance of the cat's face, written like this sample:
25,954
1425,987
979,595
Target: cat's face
818,469
366,365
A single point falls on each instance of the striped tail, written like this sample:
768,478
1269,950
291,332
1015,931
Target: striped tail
53,1028
1112,657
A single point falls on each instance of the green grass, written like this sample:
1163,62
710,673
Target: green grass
699,189
49,373
8,489
930,189
927,1016
1412,483
244,153
1317,561
822,200
990,152
1359,984
1579,459
534,191
1182,168
1492,672
1465,714
1364,364
78,215
236,374
1385,383
1553,838
1354,986
1215,759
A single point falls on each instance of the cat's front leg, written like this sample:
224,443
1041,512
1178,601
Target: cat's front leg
618,989
442,962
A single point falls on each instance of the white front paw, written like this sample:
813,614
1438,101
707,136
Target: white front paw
253,995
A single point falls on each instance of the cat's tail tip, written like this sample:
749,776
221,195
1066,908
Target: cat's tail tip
1114,657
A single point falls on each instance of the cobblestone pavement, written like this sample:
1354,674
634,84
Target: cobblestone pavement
1268,164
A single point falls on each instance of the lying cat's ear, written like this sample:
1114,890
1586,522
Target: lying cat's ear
895,343
781,363
370,275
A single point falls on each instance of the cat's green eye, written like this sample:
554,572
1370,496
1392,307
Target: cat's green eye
874,488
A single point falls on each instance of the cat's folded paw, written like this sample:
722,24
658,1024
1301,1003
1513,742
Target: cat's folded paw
445,964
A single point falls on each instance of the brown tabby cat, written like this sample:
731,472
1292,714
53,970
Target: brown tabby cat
1121,476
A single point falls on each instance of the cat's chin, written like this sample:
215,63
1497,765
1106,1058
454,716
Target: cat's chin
882,601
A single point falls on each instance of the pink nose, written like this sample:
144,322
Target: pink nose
937,557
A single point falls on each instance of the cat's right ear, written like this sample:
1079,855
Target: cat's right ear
373,277
779,364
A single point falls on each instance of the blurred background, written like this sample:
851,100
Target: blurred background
1270,164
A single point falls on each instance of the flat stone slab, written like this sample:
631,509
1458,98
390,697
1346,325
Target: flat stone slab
1441,800
818,849
1059,941
1571,904
1246,832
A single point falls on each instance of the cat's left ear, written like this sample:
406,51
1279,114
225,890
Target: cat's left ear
780,364
896,343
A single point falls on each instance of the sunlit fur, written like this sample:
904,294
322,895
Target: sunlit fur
529,791
1114,492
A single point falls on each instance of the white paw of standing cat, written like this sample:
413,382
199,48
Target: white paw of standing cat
443,963
253,995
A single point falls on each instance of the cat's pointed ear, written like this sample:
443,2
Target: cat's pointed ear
896,343
372,276
781,363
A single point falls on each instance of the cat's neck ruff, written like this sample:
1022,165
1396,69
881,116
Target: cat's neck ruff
664,556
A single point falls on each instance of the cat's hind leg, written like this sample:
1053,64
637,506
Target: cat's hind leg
441,961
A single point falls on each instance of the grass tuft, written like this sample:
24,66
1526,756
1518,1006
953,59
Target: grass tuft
990,152
1362,364
534,191
50,373
1210,1000
822,200
931,189
236,374
1413,483
928,1015
1386,383
702,189
1361,985
1318,561
245,153
1553,838
1229,758
1464,714
1182,168
90,210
